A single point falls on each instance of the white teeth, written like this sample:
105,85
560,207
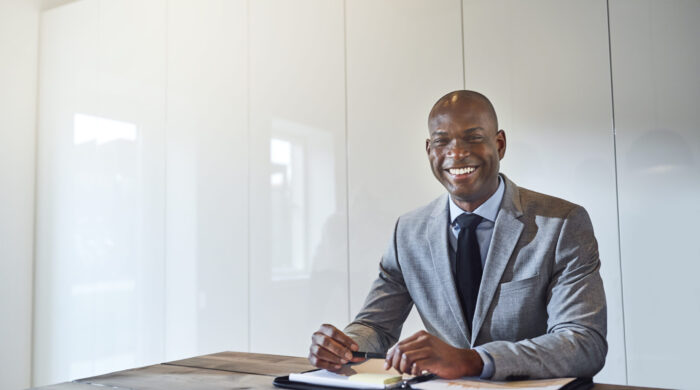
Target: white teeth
461,171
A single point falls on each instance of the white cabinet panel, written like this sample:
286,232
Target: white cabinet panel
207,174
655,58
545,67
298,223
67,67
99,261
19,39
401,57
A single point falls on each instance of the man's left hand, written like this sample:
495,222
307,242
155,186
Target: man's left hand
423,351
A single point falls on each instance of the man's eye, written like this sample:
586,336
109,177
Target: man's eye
475,138
439,141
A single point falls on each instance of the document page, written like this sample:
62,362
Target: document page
366,375
475,383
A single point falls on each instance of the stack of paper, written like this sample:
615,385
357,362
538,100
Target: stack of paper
366,375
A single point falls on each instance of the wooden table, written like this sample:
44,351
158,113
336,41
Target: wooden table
219,371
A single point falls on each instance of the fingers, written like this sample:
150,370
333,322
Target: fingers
332,332
415,370
424,366
402,355
320,363
411,360
393,359
416,343
330,348
322,358
336,352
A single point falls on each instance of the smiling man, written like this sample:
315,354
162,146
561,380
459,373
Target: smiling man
506,280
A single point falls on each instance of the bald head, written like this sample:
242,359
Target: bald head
462,102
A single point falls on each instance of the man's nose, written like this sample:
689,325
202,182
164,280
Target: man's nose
458,149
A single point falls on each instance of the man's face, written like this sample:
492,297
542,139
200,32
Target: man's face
465,149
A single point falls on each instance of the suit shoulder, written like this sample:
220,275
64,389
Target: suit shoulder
417,219
537,203
424,212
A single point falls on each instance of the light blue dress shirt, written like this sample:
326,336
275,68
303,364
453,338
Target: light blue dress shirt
488,211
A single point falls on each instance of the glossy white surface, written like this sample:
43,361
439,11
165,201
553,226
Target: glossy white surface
196,184
298,237
207,173
656,58
99,261
544,65
399,64
19,37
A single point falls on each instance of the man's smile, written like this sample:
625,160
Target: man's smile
461,172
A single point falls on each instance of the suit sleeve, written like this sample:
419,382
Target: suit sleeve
574,345
378,324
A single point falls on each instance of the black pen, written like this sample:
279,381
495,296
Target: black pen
368,355
406,384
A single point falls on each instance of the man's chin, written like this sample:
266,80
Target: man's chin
470,195
463,197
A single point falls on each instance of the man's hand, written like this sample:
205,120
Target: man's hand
331,348
423,351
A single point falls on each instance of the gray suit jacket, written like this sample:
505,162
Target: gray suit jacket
541,308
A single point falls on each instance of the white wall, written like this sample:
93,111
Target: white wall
276,142
655,62
19,30
206,192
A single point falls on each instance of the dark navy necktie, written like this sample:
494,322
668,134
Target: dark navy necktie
468,267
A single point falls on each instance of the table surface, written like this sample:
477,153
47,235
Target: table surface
219,371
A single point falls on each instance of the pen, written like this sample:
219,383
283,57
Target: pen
406,384
368,355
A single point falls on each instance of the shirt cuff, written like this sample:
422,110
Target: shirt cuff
487,372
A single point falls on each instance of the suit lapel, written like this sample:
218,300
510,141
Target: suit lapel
506,233
436,237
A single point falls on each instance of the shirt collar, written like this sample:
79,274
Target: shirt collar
488,210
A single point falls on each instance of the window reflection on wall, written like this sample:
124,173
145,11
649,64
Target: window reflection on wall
105,231
301,202
288,208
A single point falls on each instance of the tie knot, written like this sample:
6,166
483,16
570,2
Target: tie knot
468,221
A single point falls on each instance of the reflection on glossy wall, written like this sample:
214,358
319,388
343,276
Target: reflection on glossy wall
220,165
298,213
99,237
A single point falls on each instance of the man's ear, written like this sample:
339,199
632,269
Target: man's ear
427,145
501,143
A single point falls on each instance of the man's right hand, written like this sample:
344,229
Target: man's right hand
331,348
